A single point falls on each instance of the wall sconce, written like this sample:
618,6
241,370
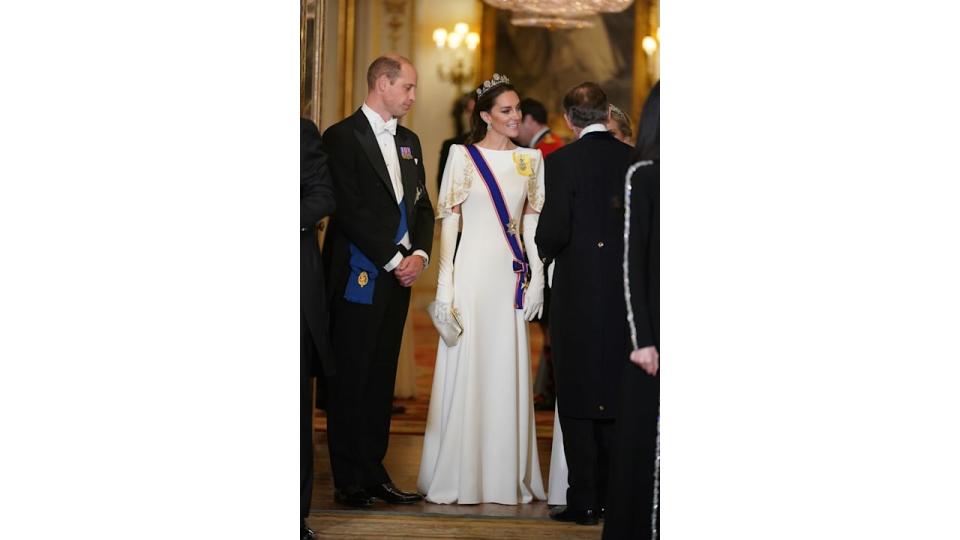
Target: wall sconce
457,49
651,46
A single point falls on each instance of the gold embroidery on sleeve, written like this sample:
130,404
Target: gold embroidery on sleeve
459,190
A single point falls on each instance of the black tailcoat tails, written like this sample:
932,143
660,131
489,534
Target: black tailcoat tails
366,337
581,227
316,202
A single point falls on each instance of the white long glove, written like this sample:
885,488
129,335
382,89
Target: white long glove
533,299
449,227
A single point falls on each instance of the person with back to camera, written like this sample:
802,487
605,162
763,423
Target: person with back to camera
633,512
581,227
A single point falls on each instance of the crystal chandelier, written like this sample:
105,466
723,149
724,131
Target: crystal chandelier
560,10
553,22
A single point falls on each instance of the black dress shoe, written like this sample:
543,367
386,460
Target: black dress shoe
357,498
580,517
306,533
389,493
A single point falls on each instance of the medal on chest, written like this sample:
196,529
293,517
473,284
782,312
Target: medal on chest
523,163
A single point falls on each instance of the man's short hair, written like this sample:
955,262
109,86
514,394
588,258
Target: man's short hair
532,107
388,65
586,104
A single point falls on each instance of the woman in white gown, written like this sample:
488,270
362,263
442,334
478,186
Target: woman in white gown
480,444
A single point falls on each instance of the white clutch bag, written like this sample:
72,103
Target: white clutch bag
449,328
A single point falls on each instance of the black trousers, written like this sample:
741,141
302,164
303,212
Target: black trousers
366,342
629,512
308,355
587,444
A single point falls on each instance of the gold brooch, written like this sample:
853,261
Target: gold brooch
513,227
363,279
523,163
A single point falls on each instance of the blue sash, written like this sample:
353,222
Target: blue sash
363,273
510,229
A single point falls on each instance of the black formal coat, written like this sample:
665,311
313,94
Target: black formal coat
631,488
581,227
316,203
367,337
367,209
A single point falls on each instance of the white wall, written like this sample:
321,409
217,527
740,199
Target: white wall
431,115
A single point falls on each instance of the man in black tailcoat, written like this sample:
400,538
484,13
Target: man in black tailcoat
581,227
316,203
377,245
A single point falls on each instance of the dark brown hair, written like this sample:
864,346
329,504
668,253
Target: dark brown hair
532,107
478,128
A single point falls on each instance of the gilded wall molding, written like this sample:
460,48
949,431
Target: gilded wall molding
312,20
641,68
395,25
347,31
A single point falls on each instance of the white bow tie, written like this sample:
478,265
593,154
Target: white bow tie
389,127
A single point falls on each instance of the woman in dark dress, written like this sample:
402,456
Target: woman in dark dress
633,509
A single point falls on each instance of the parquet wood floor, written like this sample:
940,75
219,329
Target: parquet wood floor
425,520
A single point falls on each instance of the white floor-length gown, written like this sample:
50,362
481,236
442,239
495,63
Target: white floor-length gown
480,444
558,483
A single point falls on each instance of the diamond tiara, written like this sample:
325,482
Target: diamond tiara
497,79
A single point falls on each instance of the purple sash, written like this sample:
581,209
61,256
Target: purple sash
519,260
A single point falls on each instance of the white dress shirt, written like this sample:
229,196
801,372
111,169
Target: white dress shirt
384,131
592,128
537,136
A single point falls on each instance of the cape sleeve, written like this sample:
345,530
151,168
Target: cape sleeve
458,174
535,189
